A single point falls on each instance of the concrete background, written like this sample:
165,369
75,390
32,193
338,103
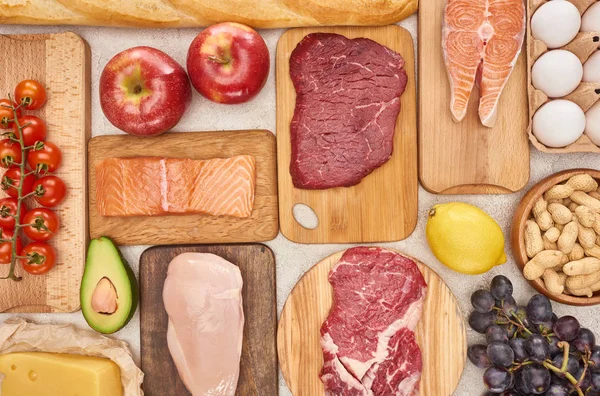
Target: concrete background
295,259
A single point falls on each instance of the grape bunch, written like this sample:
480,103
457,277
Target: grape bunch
529,350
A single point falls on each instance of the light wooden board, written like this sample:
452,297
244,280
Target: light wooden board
62,63
466,157
440,333
258,366
262,225
360,213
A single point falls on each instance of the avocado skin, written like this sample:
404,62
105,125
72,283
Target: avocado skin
85,295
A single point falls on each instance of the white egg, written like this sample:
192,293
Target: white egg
592,123
557,73
590,22
558,123
591,68
556,23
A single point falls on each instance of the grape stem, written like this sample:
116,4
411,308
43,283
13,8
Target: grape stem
563,369
520,325
14,255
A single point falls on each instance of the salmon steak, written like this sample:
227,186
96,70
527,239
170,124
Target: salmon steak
481,41
152,186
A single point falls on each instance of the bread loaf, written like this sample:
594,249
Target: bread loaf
190,13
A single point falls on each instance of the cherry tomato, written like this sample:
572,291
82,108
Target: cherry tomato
7,114
31,94
40,258
6,247
45,160
10,153
8,209
35,131
43,222
49,191
12,178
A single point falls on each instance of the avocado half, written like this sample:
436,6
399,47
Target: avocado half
109,290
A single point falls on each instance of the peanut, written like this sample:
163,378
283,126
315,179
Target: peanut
555,200
533,239
552,234
567,238
597,239
583,199
585,216
586,237
593,252
560,213
560,227
581,281
596,225
594,194
559,191
586,291
552,282
585,266
577,253
583,182
549,245
543,260
541,214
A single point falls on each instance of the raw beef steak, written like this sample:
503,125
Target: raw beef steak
347,102
368,342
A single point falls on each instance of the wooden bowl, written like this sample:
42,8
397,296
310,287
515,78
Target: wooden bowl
518,230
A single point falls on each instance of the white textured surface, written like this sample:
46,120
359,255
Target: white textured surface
294,259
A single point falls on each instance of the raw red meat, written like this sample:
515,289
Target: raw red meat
368,341
347,102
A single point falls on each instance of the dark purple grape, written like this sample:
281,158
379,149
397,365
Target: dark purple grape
491,394
585,341
596,356
496,333
537,347
567,328
595,377
557,390
501,287
498,379
500,354
539,309
592,393
537,378
480,322
554,349
572,363
562,380
518,347
510,392
477,354
482,301
521,386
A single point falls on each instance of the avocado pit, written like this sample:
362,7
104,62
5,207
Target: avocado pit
104,298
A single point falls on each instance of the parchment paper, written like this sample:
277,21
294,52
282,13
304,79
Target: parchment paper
18,335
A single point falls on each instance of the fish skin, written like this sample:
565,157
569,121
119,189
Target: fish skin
150,186
481,42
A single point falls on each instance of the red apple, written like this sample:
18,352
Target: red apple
144,91
228,63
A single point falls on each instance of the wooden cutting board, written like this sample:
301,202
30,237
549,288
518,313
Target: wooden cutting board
262,225
383,206
440,333
258,366
466,157
61,62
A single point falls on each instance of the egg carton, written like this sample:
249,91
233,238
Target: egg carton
586,94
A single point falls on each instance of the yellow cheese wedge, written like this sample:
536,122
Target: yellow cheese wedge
53,374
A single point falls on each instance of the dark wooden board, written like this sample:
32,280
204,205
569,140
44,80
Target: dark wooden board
258,366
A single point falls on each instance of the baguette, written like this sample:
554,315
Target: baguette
192,13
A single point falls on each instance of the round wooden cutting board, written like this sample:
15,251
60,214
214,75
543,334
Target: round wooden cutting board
441,333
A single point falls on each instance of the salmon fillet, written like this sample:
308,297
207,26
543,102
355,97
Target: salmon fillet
481,41
151,186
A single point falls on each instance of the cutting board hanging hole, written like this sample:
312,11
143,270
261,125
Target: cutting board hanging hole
305,216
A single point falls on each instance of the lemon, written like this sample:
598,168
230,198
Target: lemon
465,238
